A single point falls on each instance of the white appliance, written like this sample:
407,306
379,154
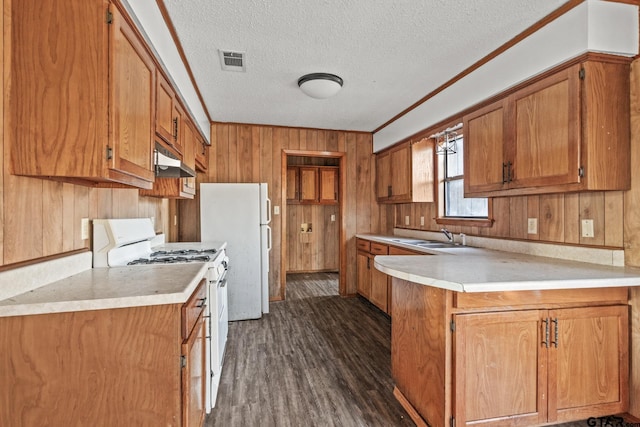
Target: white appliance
239,214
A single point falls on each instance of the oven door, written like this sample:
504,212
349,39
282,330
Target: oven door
223,320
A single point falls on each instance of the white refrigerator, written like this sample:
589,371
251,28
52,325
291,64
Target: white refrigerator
239,214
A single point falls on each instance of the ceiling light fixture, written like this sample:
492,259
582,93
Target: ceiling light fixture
320,85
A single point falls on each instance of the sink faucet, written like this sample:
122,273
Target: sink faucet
448,234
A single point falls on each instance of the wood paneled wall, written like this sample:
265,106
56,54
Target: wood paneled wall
317,250
558,215
252,153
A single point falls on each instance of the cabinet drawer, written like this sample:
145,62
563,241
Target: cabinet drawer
379,248
192,308
394,250
363,245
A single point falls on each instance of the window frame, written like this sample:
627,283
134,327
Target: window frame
441,218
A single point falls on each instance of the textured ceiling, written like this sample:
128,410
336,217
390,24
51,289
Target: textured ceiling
390,54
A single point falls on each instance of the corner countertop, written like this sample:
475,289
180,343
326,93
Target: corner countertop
468,269
104,288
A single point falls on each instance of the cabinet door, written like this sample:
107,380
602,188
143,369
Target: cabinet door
485,167
401,173
132,93
364,275
308,184
202,154
500,374
189,156
328,185
193,377
165,125
379,288
383,176
292,184
547,131
588,362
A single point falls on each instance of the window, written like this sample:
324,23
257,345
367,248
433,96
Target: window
454,206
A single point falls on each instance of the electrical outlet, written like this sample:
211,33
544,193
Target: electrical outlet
276,210
587,228
84,228
333,217
406,220
422,221
532,225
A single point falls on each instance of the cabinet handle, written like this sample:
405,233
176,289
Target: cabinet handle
504,175
389,191
368,263
546,333
509,175
201,303
555,332
175,128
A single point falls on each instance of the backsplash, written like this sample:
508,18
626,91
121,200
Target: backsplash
558,216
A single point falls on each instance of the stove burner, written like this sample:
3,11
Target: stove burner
170,260
184,252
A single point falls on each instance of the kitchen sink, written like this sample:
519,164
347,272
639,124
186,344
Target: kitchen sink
427,244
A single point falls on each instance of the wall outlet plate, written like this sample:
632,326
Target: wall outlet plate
84,228
276,210
333,217
407,221
587,228
422,221
532,226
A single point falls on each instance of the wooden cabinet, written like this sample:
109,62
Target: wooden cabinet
202,154
95,125
122,366
405,173
562,132
189,158
167,119
312,184
364,274
193,358
510,358
373,284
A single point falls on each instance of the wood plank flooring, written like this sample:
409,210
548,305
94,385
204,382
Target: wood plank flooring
316,360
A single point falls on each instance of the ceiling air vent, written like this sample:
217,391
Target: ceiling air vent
232,61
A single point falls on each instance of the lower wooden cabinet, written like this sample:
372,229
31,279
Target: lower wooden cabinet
373,284
118,367
476,359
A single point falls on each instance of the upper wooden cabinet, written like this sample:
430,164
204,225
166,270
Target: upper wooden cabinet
405,173
312,184
82,95
202,154
167,113
568,131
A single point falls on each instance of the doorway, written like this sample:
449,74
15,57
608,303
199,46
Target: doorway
313,235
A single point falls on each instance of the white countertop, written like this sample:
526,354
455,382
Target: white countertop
115,287
86,288
467,269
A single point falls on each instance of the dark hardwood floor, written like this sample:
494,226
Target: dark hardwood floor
316,360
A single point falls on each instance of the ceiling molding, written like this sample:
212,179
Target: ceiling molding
176,40
509,44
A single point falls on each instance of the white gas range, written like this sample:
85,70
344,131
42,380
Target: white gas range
126,242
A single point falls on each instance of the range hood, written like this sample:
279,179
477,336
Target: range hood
169,166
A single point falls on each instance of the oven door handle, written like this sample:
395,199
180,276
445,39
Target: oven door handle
223,283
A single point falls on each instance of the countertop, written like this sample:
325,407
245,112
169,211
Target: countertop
115,287
468,269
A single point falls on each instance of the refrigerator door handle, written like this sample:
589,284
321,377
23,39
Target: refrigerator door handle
269,239
269,214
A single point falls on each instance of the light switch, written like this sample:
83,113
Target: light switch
587,228
422,221
406,220
333,217
276,210
532,225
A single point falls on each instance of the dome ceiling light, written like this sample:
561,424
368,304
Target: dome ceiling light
320,85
